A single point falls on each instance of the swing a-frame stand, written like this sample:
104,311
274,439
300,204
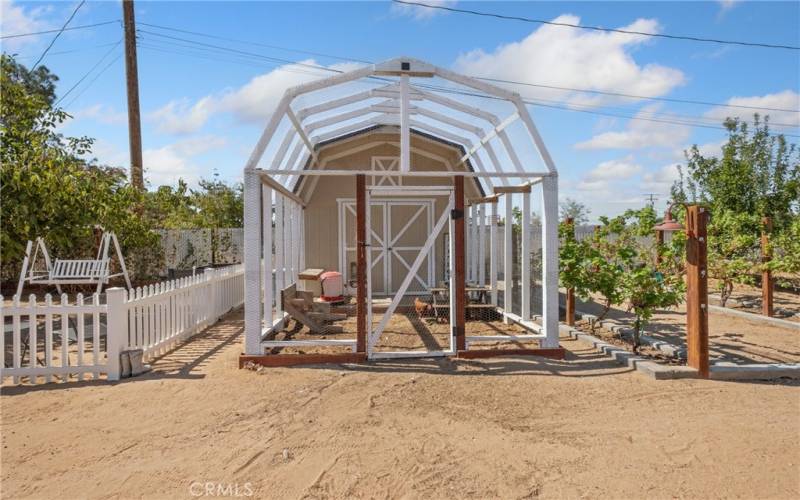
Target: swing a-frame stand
75,271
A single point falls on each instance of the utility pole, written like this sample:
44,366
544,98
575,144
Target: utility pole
651,197
132,76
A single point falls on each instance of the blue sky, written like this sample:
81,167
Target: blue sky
203,111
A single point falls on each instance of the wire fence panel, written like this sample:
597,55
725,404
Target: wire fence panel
189,248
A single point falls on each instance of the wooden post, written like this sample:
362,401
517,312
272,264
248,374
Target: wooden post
766,274
697,290
659,244
361,263
570,312
132,76
460,285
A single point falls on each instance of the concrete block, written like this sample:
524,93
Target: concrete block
766,371
665,372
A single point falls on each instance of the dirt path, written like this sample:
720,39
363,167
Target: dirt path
512,428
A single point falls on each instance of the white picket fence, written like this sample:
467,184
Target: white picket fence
43,341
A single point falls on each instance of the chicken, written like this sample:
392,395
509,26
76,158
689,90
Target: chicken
423,308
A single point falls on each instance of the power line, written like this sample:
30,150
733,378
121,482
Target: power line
633,96
35,33
598,28
85,88
559,105
58,34
210,56
71,51
240,52
484,78
98,63
259,44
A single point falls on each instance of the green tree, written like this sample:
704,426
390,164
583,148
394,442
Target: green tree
647,290
48,188
575,209
757,174
733,250
786,255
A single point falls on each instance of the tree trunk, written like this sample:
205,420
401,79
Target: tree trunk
606,308
637,325
725,293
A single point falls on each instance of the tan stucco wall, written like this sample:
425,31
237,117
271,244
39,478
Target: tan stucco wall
321,213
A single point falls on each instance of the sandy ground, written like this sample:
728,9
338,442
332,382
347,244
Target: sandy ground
409,331
506,428
731,339
785,304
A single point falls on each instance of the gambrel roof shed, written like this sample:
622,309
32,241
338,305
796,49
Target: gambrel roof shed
411,128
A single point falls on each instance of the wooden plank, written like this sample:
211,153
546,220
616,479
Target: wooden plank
767,286
553,353
269,181
697,290
458,256
361,264
311,274
522,188
494,198
273,360
468,306
570,312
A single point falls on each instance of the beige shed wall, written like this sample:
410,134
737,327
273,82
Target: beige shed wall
321,213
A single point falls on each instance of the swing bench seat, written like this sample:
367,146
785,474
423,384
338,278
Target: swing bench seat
87,271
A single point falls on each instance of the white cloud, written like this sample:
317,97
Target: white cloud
165,165
706,149
179,117
641,134
712,148
15,19
422,13
786,100
605,174
253,102
661,180
556,56
726,5
109,154
101,113
614,170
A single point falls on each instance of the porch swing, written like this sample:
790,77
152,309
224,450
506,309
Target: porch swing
73,271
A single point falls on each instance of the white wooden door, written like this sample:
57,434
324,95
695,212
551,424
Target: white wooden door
399,229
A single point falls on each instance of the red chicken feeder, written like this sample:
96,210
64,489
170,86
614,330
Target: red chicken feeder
332,287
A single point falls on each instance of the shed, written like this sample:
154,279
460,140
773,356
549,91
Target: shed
409,190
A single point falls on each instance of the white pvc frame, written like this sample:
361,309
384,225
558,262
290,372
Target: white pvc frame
296,156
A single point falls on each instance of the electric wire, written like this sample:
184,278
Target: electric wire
53,41
598,28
